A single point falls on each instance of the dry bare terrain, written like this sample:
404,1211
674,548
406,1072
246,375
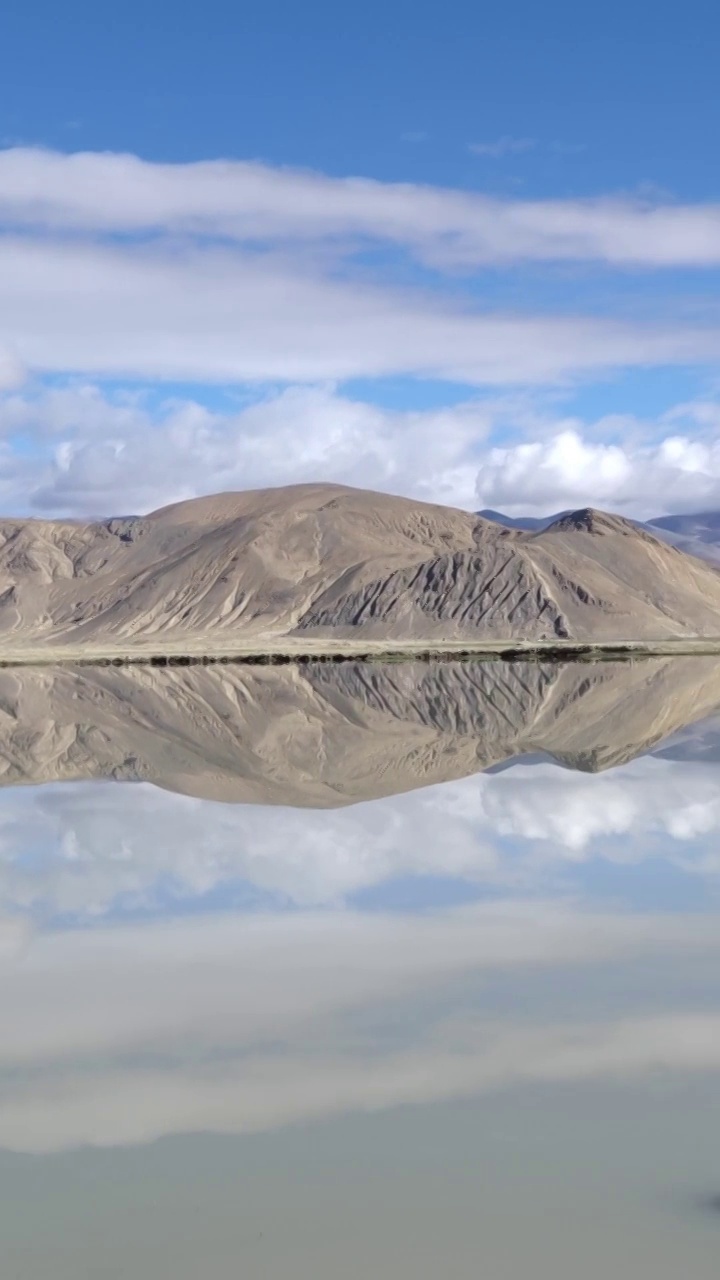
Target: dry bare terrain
316,565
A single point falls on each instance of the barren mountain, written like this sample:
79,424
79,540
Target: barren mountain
324,735
323,560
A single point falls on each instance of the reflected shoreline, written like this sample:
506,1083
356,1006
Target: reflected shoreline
322,735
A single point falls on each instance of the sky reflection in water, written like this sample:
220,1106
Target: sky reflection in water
473,1027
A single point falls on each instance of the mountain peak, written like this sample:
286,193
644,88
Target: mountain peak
591,520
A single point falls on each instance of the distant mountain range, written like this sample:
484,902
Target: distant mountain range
698,533
321,560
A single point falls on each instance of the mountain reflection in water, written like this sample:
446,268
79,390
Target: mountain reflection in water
310,992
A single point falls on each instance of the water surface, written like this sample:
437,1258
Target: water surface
356,971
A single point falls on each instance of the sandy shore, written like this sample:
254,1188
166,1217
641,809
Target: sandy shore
279,649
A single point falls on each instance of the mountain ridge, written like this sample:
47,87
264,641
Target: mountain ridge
697,534
324,560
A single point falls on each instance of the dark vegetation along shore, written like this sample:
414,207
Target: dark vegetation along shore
508,651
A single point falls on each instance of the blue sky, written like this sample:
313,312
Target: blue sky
612,95
465,252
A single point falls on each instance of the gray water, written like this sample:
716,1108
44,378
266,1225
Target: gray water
468,1030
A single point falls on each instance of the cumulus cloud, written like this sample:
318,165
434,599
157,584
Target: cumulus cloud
96,453
571,467
649,808
81,450
107,847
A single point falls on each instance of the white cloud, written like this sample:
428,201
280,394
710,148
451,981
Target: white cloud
15,935
120,1103
12,373
239,273
79,450
110,265
569,466
167,310
250,201
96,454
105,844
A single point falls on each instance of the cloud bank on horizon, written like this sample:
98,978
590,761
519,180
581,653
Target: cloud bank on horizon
168,330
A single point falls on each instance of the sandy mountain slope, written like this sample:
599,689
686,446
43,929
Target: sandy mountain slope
319,560
326,735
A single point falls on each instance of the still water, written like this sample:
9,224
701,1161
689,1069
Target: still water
360,971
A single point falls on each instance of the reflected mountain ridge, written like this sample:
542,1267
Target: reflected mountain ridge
328,735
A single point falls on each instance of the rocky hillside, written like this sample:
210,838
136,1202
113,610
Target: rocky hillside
323,560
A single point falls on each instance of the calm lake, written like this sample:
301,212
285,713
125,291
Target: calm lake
353,971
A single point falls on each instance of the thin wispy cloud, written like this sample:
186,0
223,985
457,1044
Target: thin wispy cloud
229,271
567,148
251,204
214,314
505,146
